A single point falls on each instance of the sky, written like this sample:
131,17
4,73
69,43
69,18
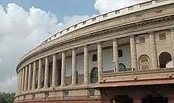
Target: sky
24,24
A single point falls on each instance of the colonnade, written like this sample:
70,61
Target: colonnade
31,73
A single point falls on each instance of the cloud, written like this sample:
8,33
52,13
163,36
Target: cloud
22,30
103,6
0,60
69,20
9,85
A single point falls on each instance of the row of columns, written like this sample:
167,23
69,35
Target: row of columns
30,70
172,43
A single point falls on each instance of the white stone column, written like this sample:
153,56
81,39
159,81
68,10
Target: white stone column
63,70
54,71
86,65
99,59
73,66
133,53
29,77
26,78
39,74
23,79
115,55
172,41
46,73
34,75
153,51
18,75
20,81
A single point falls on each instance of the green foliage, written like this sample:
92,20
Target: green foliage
7,97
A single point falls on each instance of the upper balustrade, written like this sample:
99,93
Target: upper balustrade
62,35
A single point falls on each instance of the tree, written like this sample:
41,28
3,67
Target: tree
7,97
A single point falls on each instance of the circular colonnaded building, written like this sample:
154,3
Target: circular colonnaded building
123,56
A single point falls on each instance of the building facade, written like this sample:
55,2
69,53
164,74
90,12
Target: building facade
124,56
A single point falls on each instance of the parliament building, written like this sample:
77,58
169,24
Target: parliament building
123,56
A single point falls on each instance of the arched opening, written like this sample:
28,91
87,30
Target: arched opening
122,99
164,58
94,75
144,62
154,99
122,67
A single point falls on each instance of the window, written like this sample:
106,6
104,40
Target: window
162,36
164,59
142,39
144,59
94,57
144,62
94,75
91,92
122,67
120,53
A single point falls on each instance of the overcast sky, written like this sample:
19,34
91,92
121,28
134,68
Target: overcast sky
24,24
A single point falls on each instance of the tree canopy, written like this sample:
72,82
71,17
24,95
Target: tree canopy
7,97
